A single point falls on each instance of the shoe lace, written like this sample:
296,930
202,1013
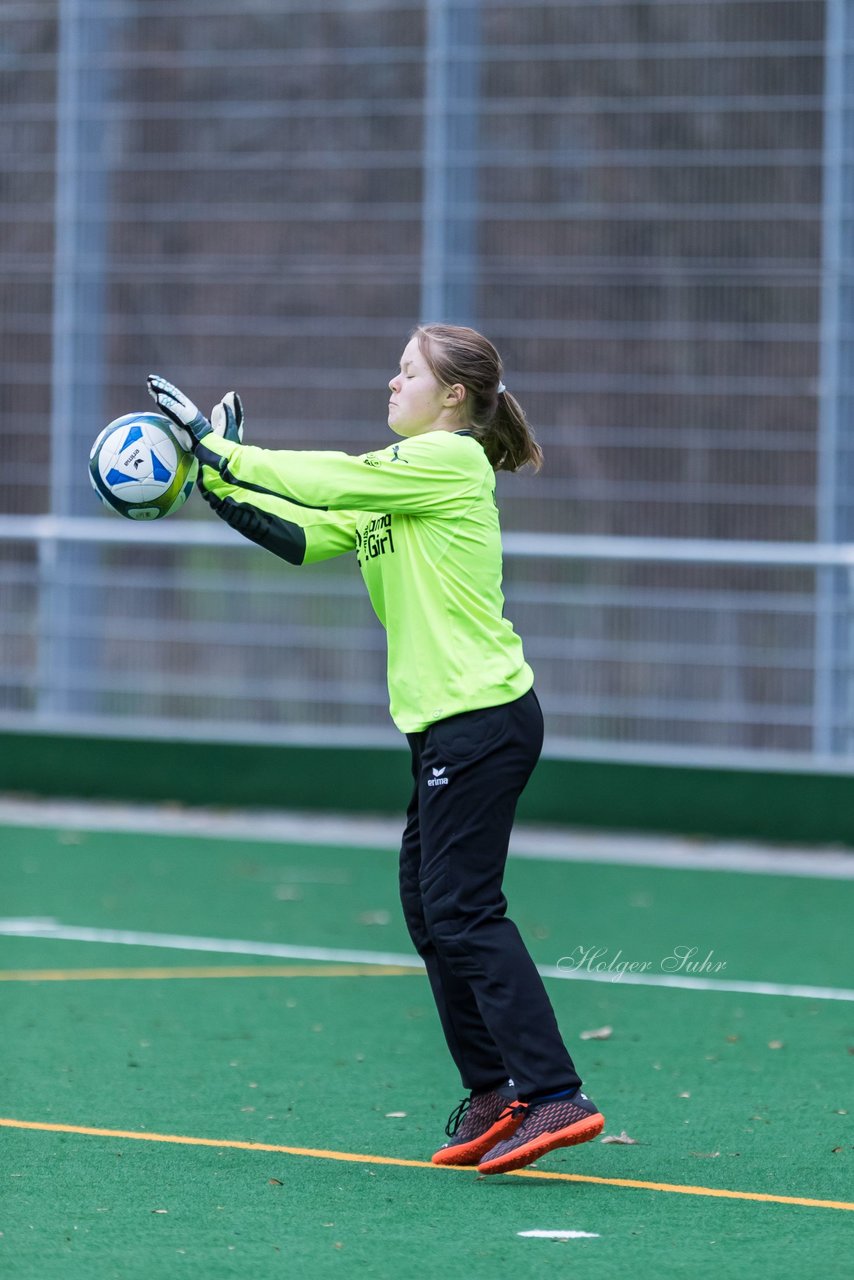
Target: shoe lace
455,1119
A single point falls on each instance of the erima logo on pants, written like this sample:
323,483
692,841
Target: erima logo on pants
438,779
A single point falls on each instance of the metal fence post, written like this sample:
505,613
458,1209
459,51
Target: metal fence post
451,111
78,337
834,730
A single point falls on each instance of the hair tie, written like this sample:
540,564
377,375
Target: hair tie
501,388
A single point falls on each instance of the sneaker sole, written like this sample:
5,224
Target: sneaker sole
468,1153
581,1131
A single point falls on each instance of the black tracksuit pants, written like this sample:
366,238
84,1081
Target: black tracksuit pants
469,772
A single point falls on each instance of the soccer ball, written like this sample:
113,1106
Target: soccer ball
138,468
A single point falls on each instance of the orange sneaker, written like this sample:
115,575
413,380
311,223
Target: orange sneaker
556,1122
479,1122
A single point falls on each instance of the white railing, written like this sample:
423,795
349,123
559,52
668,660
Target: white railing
691,651
204,533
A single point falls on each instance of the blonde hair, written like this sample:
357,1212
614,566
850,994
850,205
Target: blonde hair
456,354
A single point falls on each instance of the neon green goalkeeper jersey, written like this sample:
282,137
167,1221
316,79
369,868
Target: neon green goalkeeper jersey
422,519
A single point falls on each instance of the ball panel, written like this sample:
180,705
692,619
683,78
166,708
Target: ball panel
145,513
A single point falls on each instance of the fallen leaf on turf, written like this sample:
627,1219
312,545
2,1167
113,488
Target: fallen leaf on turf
775,1044
836,1149
159,1210
599,1033
622,1138
684,1095
276,1183
287,893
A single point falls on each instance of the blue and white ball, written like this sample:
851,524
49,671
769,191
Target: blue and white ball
138,468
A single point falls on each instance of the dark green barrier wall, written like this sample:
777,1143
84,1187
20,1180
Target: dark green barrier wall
794,807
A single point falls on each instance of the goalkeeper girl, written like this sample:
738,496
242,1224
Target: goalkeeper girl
422,519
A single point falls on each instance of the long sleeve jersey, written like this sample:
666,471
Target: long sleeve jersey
422,519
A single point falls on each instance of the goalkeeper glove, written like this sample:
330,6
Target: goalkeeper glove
190,425
227,418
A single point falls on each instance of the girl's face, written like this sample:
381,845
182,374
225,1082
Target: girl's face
418,402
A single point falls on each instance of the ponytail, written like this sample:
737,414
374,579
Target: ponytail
495,418
507,438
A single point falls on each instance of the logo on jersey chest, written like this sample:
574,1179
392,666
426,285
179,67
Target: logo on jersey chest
375,539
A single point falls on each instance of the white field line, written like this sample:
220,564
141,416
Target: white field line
560,1235
355,832
51,929
181,942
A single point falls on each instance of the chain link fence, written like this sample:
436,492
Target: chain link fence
645,205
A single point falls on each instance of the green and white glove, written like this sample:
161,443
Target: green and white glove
191,425
227,418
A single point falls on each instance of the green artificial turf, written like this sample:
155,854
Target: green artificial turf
321,1062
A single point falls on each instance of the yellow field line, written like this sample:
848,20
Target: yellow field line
217,971
356,1158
